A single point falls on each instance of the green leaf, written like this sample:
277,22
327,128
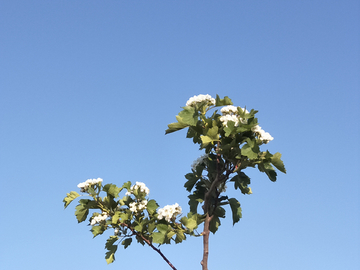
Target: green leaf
188,116
81,212
248,151
192,179
97,230
112,190
70,197
242,181
180,236
268,169
175,127
223,102
126,242
126,185
236,210
214,224
116,217
163,228
158,238
109,245
152,206
170,234
278,163
189,222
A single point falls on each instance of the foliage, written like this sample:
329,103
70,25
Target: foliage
231,140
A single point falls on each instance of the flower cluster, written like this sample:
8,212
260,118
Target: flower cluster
230,113
169,212
139,185
200,98
199,161
98,219
262,135
85,185
138,206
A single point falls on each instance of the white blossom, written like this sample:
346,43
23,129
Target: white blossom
98,219
230,109
262,135
230,113
138,185
200,98
85,185
169,212
138,206
227,117
198,161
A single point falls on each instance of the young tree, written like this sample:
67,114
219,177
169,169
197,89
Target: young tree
231,143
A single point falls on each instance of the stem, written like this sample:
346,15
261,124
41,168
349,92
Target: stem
147,241
206,235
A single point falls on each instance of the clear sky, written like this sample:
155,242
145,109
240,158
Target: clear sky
87,89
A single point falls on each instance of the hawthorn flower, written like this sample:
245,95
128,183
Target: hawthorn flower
230,109
230,113
98,219
169,212
200,98
227,117
85,185
262,135
198,161
138,206
139,185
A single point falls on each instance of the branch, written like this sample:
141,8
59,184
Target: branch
147,241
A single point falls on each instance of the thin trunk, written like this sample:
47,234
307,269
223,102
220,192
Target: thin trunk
206,234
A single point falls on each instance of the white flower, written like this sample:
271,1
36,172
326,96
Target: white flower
198,161
169,212
85,185
227,117
229,110
200,98
262,135
138,185
98,219
138,206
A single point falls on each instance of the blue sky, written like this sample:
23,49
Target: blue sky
87,89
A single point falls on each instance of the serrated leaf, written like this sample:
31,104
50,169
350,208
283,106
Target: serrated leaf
236,210
269,170
163,228
278,163
112,190
192,179
81,212
223,102
115,218
152,206
126,242
190,223
158,238
109,245
70,197
175,127
188,116
170,234
214,224
97,230
248,151
180,236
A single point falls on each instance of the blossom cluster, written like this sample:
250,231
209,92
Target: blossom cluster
262,135
98,219
230,113
85,185
200,98
199,161
169,212
138,206
138,185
